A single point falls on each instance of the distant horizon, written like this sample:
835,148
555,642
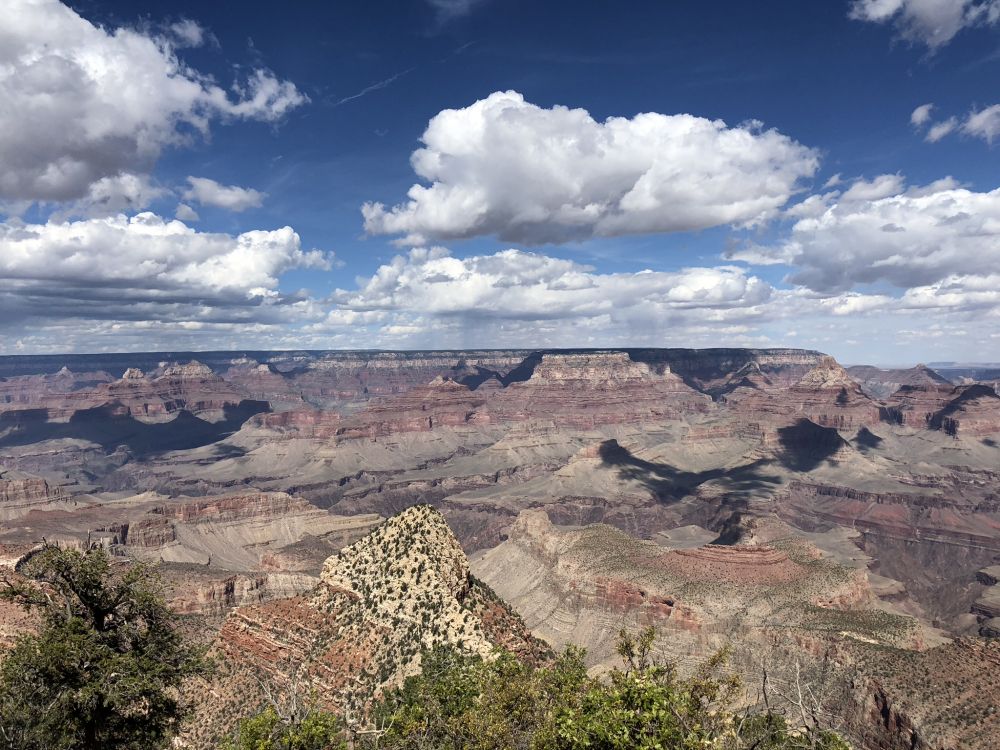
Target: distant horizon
244,351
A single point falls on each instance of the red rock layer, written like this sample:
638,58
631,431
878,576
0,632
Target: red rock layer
973,412
826,396
300,423
441,403
587,390
193,387
915,405
948,518
882,384
236,507
742,564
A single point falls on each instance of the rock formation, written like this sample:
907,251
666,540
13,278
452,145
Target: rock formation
404,588
19,493
826,395
588,390
881,384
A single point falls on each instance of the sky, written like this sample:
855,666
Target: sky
441,174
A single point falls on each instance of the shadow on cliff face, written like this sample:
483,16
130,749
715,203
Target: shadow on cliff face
101,425
670,484
523,371
805,445
867,440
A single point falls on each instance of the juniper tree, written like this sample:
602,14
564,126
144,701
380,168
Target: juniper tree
104,667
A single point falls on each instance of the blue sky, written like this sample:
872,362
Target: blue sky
319,106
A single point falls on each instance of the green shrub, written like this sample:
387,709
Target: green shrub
104,668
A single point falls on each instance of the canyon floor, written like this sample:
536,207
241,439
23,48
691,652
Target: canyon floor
839,524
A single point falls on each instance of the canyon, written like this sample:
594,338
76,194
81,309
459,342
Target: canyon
324,516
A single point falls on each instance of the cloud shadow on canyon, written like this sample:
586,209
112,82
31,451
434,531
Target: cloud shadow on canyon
668,484
805,444
108,428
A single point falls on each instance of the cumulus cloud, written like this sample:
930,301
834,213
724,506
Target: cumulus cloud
211,193
880,187
429,298
121,193
513,284
80,103
930,22
913,238
145,268
184,212
964,292
503,166
921,115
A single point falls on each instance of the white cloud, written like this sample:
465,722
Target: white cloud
211,193
939,130
956,292
80,103
184,212
921,115
833,181
144,268
853,303
188,33
984,124
503,166
914,238
931,22
814,205
759,255
122,193
517,285
880,187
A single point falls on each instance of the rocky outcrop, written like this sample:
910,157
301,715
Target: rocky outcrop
265,382
239,532
881,383
989,576
159,396
753,565
911,516
441,403
973,412
344,381
987,607
194,591
942,698
381,601
19,493
587,390
960,411
34,391
826,396
714,371
306,424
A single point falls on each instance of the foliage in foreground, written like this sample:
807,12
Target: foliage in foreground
316,730
464,702
104,668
